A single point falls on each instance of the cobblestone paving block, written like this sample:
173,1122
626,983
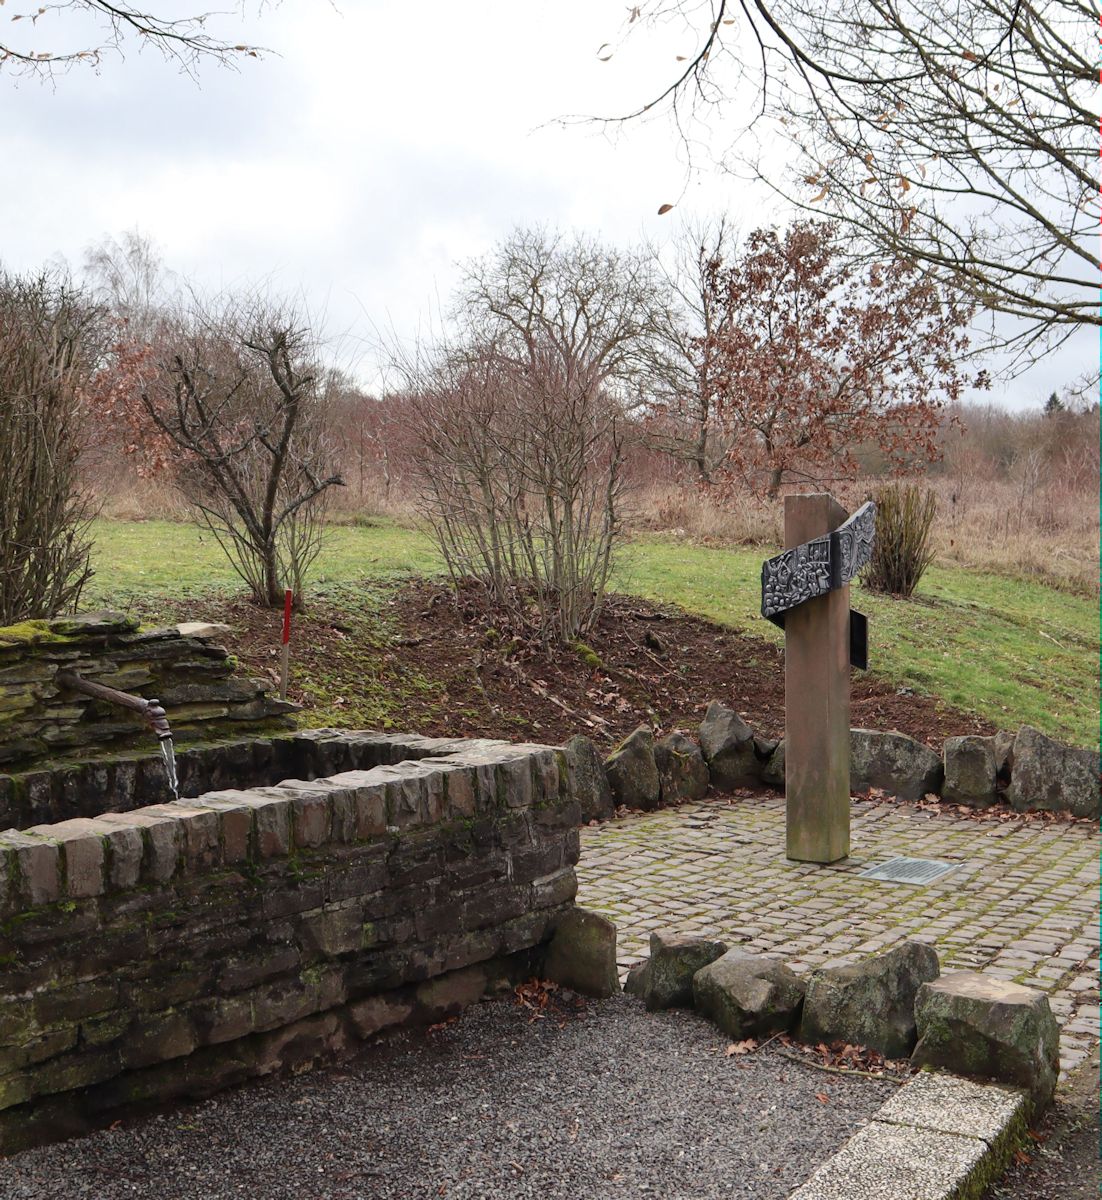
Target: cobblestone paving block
1022,903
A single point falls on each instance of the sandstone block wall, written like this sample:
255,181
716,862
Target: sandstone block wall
182,947
191,676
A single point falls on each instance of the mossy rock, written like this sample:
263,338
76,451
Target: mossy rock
28,633
582,954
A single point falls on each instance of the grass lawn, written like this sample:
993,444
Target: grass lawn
1012,651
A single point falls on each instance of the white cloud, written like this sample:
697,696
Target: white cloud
379,146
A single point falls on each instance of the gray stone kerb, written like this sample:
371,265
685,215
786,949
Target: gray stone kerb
939,1137
428,781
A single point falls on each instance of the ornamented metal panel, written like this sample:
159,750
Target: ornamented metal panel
817,567
853,541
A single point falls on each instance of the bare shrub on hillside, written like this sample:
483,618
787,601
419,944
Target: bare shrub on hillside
901,551
240,392
52,339
522,423
521,482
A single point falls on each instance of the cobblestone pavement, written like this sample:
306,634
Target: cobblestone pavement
1022,904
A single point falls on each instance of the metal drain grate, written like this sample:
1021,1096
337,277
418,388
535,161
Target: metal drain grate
908,870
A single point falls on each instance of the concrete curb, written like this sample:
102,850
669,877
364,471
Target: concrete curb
939,1137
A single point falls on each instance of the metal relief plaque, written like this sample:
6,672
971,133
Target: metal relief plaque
854,543
799,574
817,567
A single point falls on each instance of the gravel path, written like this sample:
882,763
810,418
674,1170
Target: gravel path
604,1100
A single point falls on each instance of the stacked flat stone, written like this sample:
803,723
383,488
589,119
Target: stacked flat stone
182,947
189,673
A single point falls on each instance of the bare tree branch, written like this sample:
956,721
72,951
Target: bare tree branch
110,29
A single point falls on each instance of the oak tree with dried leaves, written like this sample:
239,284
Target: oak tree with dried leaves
817,356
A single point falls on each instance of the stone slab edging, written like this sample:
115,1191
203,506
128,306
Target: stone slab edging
940,1137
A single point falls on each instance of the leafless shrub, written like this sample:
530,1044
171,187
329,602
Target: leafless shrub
51,341
521,481
522,423
239,392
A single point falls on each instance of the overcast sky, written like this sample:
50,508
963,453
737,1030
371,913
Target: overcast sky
382,143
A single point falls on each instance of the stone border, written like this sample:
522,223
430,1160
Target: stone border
1027,770
939,1137
84,857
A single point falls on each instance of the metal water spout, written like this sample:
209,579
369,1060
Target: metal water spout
150,710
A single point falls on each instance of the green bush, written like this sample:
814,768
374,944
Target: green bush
902,551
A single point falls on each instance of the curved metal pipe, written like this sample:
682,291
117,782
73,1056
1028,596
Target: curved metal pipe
150,710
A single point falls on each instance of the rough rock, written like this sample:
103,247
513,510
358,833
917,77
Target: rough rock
870,1003
975,1024
727,743
636,982
748,995
1002,745
894,762
590,781
202,630
773,771
1049,775
682,771
632,772
674,960
970,771
582,954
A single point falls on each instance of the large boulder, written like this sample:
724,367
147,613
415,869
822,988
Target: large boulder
970,771
974,1024
870,1003
682,771
748,995
582,954
632,772
727,743
674,960
1049,775
590,781
893,762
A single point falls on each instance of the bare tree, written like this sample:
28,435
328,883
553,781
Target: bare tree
55,37
52,338
240,392
961,137
678,403
129,277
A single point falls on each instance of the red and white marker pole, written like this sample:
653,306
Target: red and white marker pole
285,663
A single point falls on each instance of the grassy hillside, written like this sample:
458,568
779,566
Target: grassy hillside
1012,651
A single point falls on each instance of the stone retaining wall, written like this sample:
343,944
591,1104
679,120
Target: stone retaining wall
48,793
190,675
181,947
1027,770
